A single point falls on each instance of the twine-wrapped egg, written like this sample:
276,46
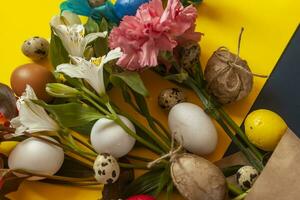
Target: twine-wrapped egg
228,76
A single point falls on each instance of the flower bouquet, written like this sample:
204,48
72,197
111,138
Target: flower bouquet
65,128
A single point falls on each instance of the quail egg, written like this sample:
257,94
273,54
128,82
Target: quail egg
107,169
170,97
189,53
246,177
36,48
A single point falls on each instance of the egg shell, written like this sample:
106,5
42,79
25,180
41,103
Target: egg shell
108,137
107,169
36,48
170,97
34,75
188,122
141,197
36,156
246,177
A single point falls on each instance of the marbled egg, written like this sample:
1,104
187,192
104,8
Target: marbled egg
246,177
36,48
170,97
107,169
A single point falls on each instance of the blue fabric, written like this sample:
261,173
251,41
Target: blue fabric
82,7
128,7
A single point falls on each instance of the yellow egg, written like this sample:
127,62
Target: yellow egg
7,147
264,129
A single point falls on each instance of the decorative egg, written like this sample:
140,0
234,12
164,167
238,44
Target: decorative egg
246,177
37,156
109,137
170,97
127,7
36,48
141,197
193,128
107,169
34,75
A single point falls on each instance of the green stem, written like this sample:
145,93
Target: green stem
133,166
163,135
242,196
215,114
152,147
239,131
149,133
234,189
58,178
113,115
138,158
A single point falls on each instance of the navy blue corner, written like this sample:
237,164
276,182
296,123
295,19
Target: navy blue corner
281,93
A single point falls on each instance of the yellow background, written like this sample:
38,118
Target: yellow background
268,24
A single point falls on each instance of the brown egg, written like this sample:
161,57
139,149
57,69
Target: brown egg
34,75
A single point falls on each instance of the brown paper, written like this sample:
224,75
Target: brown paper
280,179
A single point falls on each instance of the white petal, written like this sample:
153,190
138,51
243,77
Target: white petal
55,21
111,55
71,18
101,90
35,118
70,70
91,37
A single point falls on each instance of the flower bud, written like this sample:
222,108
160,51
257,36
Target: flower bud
61,91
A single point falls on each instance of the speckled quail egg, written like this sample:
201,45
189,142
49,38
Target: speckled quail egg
246,177
37,156
170,97
107,169
189,55
36,48
108,137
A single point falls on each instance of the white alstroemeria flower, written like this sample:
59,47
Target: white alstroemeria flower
32,117
66,18
91,71
74,39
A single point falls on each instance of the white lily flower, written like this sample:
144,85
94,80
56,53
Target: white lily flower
32,117
66,18
74,39
91,71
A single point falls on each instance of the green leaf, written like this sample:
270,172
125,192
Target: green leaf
229,171
71,114
142,104
58,53
145,184
180,78
164,180
91,26
170,189
103,26
132,79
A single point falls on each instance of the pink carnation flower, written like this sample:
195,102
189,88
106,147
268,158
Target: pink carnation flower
151,30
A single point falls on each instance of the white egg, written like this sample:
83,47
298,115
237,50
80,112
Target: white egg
37,156
109,137
188,122
107,169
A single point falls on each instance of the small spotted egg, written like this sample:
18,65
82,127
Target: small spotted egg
246,177
190,53
170,97
106,169
36,48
